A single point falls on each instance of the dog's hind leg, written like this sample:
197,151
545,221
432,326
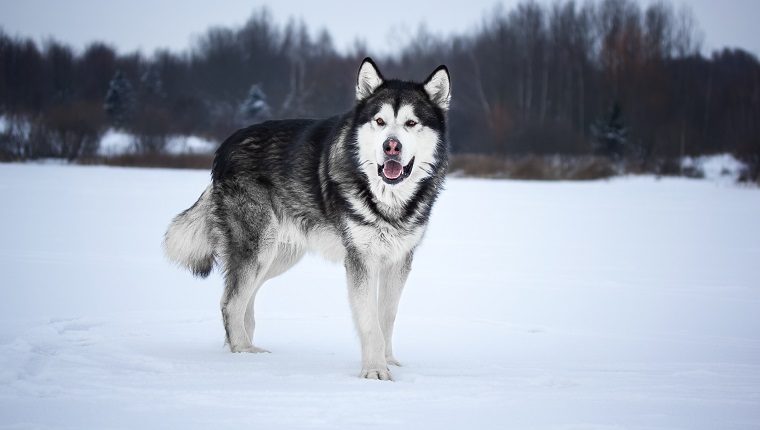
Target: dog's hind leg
392,280
241,285
248,247
287,255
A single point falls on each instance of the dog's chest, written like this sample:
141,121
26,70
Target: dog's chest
384,242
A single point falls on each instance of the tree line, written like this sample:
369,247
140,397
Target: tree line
610,78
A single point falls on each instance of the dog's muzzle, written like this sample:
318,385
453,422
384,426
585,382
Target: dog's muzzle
393,172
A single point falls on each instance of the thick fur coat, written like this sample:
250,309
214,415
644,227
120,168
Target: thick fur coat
357,188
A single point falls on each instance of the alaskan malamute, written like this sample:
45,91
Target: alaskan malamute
357,188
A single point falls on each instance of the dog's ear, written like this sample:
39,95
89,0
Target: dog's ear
438,87
368,80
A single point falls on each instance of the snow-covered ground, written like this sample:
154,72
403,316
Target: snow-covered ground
632,303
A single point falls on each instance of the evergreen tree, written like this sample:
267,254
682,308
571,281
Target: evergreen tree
255,107
119,102
611,136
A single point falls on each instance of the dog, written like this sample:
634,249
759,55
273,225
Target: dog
357,188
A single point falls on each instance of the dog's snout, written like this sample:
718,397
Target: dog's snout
392,146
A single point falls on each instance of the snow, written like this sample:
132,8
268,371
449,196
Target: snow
623,304
117,142
722,167
190,144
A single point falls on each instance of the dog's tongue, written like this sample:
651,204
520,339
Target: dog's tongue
392,169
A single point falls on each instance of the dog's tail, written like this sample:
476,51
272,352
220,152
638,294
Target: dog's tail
189,240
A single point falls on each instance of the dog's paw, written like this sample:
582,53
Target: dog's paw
377,374
250,349
392,361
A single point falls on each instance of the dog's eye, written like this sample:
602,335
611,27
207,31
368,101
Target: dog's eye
411,123
380,121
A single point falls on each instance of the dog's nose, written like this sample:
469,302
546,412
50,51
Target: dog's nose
392,147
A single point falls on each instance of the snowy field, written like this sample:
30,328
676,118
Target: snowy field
632,303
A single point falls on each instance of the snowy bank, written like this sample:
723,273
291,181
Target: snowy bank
722,167
116,142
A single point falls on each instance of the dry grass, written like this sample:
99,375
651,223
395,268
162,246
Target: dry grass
182,161
532,167
477,166
545,168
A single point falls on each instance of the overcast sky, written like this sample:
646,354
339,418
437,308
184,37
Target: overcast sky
146,25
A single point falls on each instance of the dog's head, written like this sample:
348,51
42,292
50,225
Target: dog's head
401,129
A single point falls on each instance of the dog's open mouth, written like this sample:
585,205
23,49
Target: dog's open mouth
393,172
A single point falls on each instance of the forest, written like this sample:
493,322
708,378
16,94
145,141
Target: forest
609,79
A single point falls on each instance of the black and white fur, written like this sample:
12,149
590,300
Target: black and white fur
357,188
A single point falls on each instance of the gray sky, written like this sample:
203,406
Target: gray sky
146,25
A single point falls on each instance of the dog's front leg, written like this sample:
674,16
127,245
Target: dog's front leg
362,295
392,279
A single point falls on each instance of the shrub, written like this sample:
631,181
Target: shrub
749,154
532,167
179,161
66,131
591,168
70,131
151,127
478,166
13,138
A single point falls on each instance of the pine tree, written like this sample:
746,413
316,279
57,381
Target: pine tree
611,136
119,102
255,107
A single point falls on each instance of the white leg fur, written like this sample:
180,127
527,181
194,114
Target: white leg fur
392,280
287,256
240,323
362,294
250,321
238,309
